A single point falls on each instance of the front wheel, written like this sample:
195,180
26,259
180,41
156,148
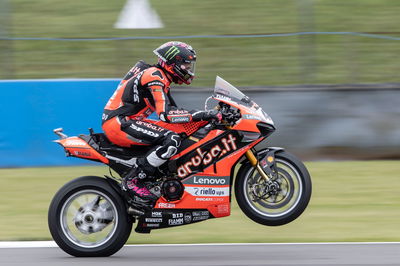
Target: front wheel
281,200
87,218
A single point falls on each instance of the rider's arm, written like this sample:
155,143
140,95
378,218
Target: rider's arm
166,108
171,114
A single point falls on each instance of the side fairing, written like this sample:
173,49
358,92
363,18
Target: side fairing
208,151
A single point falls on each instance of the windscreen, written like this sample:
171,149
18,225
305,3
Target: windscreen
225,91
224,88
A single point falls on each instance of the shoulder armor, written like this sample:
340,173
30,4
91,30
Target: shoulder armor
154,76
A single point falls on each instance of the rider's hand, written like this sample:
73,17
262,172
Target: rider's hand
207,115
216,115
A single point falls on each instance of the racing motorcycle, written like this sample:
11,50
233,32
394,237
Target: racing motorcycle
89,216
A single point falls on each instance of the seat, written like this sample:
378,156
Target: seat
100,142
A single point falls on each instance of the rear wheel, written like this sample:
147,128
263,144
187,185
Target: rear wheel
279,201
87,218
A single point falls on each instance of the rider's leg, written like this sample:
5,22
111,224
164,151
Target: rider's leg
144,132
135,181
167,148
147,166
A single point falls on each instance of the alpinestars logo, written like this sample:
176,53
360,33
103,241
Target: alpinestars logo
227,145
135,88
173,51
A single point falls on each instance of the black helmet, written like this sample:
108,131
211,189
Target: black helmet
178,59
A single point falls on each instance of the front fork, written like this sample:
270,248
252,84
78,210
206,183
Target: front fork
256,164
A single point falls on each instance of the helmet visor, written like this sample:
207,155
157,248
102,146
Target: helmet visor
189,67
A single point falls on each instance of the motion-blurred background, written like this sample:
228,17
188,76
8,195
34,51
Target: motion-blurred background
271,61
327,71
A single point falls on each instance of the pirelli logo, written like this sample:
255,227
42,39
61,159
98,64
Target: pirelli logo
171,53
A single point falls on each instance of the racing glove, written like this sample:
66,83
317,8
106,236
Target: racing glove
207,115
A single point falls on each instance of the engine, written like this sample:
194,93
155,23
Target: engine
172,189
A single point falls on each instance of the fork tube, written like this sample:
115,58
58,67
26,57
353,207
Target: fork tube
254,162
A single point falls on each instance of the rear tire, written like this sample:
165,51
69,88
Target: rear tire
288,202
88,218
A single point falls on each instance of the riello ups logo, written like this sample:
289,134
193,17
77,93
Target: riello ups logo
208,154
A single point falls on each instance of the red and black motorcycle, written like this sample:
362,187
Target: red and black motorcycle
89,216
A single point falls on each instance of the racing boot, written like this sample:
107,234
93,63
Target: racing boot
134,184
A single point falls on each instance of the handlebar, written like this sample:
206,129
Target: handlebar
229,115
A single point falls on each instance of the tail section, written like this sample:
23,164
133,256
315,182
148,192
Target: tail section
77,147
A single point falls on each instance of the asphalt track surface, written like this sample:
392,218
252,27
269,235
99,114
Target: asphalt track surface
217,255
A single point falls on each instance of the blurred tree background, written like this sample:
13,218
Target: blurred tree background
281,59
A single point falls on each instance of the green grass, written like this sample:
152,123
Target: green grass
351,201
244,62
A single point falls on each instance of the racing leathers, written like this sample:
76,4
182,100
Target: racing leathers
144,90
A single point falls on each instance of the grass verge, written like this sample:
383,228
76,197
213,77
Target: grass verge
351,201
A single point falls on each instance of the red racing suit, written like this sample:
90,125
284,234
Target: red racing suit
142,91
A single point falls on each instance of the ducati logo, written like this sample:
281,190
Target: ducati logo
201,157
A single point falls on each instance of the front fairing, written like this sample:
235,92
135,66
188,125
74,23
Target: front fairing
227,93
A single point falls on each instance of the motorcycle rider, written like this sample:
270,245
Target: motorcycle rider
145,89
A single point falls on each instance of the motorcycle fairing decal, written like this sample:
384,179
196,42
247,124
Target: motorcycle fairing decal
163,218
206,180
208,191
201,186
209,136
205,197
209,153
77,147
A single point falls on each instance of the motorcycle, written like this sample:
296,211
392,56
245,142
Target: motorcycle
89,216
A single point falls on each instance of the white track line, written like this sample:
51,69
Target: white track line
52,244
27,244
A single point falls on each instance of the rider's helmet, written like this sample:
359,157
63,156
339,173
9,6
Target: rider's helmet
178,59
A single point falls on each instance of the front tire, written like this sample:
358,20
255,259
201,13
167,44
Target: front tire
88,218
279,202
